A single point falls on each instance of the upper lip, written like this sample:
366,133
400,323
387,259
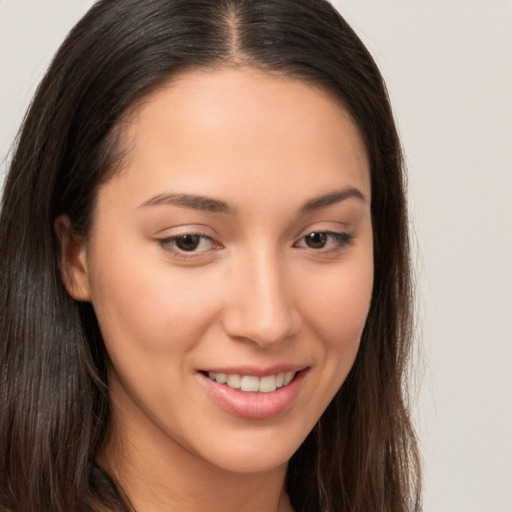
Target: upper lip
256,371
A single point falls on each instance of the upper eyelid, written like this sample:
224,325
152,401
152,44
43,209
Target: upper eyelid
325,226
186,229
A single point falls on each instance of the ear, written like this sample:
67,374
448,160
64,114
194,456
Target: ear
72,260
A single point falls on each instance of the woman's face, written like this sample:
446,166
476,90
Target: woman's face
234,244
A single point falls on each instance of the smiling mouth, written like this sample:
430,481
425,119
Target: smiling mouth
251,383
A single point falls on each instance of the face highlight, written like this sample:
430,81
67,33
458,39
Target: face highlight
230,266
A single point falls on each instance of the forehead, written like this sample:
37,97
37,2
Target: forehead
213,130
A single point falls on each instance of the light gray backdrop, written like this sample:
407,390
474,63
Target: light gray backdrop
448,65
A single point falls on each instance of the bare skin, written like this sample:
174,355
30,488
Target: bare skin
272,271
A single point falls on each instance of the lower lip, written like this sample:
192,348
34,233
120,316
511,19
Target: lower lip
252,405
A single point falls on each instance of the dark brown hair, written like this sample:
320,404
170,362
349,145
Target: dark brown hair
54,406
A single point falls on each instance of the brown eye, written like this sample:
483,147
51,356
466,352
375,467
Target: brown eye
316,240
325,241
187,242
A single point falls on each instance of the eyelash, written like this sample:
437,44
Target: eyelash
340,241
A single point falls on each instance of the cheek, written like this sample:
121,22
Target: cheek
145,308
337,315
339,311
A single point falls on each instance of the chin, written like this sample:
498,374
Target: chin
255,454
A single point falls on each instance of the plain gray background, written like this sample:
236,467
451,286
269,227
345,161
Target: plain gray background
448,66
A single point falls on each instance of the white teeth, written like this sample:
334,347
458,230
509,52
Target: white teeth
288,376
267,384
234,381
221,378
250,383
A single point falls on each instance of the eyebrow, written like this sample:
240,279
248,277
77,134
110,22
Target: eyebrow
325,200
209,204
195,202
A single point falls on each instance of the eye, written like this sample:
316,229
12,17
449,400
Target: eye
325,240
187,243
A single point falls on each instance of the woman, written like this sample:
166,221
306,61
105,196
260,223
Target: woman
205,273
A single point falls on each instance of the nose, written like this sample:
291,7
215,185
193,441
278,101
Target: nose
262,307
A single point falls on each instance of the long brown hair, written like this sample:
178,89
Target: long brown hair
54,407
